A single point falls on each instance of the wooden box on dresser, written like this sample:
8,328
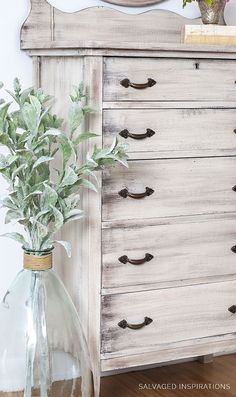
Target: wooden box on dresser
153,272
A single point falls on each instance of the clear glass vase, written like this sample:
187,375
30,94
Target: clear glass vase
43,352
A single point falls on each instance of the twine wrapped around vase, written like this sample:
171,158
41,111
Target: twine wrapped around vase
35,262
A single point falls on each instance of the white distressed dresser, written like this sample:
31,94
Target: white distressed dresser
154,265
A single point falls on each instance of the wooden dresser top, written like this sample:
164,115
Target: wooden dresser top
110,32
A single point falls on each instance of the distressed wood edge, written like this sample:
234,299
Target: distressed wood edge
163,285
181,219
92,239
36,71
33,3
206,359
35,19
194,348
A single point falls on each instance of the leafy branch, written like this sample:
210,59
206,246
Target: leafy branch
208,2
43,198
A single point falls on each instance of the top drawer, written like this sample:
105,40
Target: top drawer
145,79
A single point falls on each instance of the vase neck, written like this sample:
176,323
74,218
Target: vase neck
37,260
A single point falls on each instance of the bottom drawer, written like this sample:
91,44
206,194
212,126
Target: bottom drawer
172,315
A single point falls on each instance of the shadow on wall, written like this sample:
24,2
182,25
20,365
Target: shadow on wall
172,5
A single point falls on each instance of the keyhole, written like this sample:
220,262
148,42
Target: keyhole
197,65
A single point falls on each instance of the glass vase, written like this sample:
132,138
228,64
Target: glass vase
43,352
211,14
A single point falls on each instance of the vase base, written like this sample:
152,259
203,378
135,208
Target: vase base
60,388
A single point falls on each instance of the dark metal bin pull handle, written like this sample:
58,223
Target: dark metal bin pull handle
233,249
124,324
127,83
232,309
125,193
126,134
234,188
125,259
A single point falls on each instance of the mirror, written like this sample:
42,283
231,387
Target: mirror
133,3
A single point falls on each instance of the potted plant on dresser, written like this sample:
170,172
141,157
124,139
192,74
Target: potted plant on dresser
42,346
211,10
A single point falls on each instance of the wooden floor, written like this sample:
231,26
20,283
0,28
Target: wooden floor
212,376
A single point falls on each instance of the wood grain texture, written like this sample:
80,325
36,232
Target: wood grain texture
176,380
178,314
50,79
188,222
192,249
91,246
148,105
224,344
176,80
47,27
178,132
181,187
126,50
39,24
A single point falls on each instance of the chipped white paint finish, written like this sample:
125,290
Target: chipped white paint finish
47,27
181,250
50,71
178,314
39,24
96,48
91,247
185,108
178,132
225,344
181,187
176,80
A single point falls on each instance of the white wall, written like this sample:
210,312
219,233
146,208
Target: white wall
14,63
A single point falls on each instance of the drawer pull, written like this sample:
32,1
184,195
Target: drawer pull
234,188
232,309
125,193
124,324
126,134
125,259
233,249
127,83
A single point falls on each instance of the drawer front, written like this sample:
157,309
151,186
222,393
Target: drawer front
169,188
173,132
175,80
168,251
177,314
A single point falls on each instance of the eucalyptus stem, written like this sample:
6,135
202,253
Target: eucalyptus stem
39,200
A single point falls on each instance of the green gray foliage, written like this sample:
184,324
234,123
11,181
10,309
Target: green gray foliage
44,196
208,2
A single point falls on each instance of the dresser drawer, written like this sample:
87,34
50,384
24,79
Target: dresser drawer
172,132
169,79
169,188
177,314
169,250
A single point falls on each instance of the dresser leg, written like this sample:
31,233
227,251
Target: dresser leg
97,384
208,358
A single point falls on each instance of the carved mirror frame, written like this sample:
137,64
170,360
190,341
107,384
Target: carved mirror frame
133,3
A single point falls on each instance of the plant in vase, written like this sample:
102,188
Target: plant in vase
42,348
211,10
